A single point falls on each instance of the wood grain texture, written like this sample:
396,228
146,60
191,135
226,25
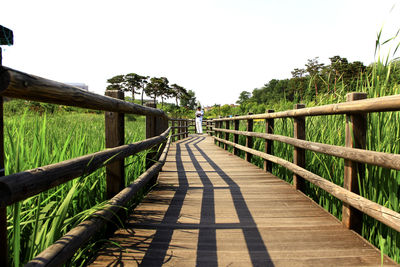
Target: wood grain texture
19,186
212,208
236,136
17,84
226,134
356,129
379,212
386,160
385,103
115,136
59,252
299,154
269,144
249,139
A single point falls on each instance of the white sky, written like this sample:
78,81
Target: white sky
215,48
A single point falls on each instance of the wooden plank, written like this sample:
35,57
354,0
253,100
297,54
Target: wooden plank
63,249
356,129
268,148
115,136
226,134
230,216
17,84
386,160
236,136
378,104
249,139
379,212
19,186
299,154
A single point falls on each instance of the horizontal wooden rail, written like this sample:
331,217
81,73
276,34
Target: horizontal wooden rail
17,84
173,119
19,186
182,133
386,103
381,159
63,249
380,213
178,127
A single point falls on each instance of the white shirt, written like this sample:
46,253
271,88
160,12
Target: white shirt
199,114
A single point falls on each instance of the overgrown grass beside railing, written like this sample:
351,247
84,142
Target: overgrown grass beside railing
383,135
32,141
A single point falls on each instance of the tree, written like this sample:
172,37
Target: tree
313,68
116,83
189,100
158,87
134,81
243,97
164,90
178,92
299,82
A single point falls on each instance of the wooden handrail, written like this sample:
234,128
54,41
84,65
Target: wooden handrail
379,212
386,103
381,159
58,253
19,186
21,85
354,155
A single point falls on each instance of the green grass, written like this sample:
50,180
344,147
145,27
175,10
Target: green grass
383,134
32,141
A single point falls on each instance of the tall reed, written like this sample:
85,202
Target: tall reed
32,141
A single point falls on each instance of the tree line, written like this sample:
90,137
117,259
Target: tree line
308,83
153,87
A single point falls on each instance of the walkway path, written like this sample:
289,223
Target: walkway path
214,209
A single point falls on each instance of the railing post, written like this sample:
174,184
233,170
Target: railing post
211,127
179,129
299,154
269,129
226,134
219,135
115,132
186,128
236,136
356,127
173,129
249,139
151,131
3,206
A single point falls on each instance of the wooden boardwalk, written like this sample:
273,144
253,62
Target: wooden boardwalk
214,209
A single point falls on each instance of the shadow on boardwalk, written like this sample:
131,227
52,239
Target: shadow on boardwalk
214,209
207,238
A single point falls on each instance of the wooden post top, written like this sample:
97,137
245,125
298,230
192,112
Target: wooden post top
356,96
297,106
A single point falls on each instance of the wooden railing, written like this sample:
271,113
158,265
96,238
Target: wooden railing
353,153
20,186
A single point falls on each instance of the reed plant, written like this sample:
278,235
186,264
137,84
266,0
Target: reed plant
32,141
383,134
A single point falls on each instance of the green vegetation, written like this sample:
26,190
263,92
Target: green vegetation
31,141
383,134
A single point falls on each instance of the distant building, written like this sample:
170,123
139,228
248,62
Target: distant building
80,85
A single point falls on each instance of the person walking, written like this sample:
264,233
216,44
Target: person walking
199,120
